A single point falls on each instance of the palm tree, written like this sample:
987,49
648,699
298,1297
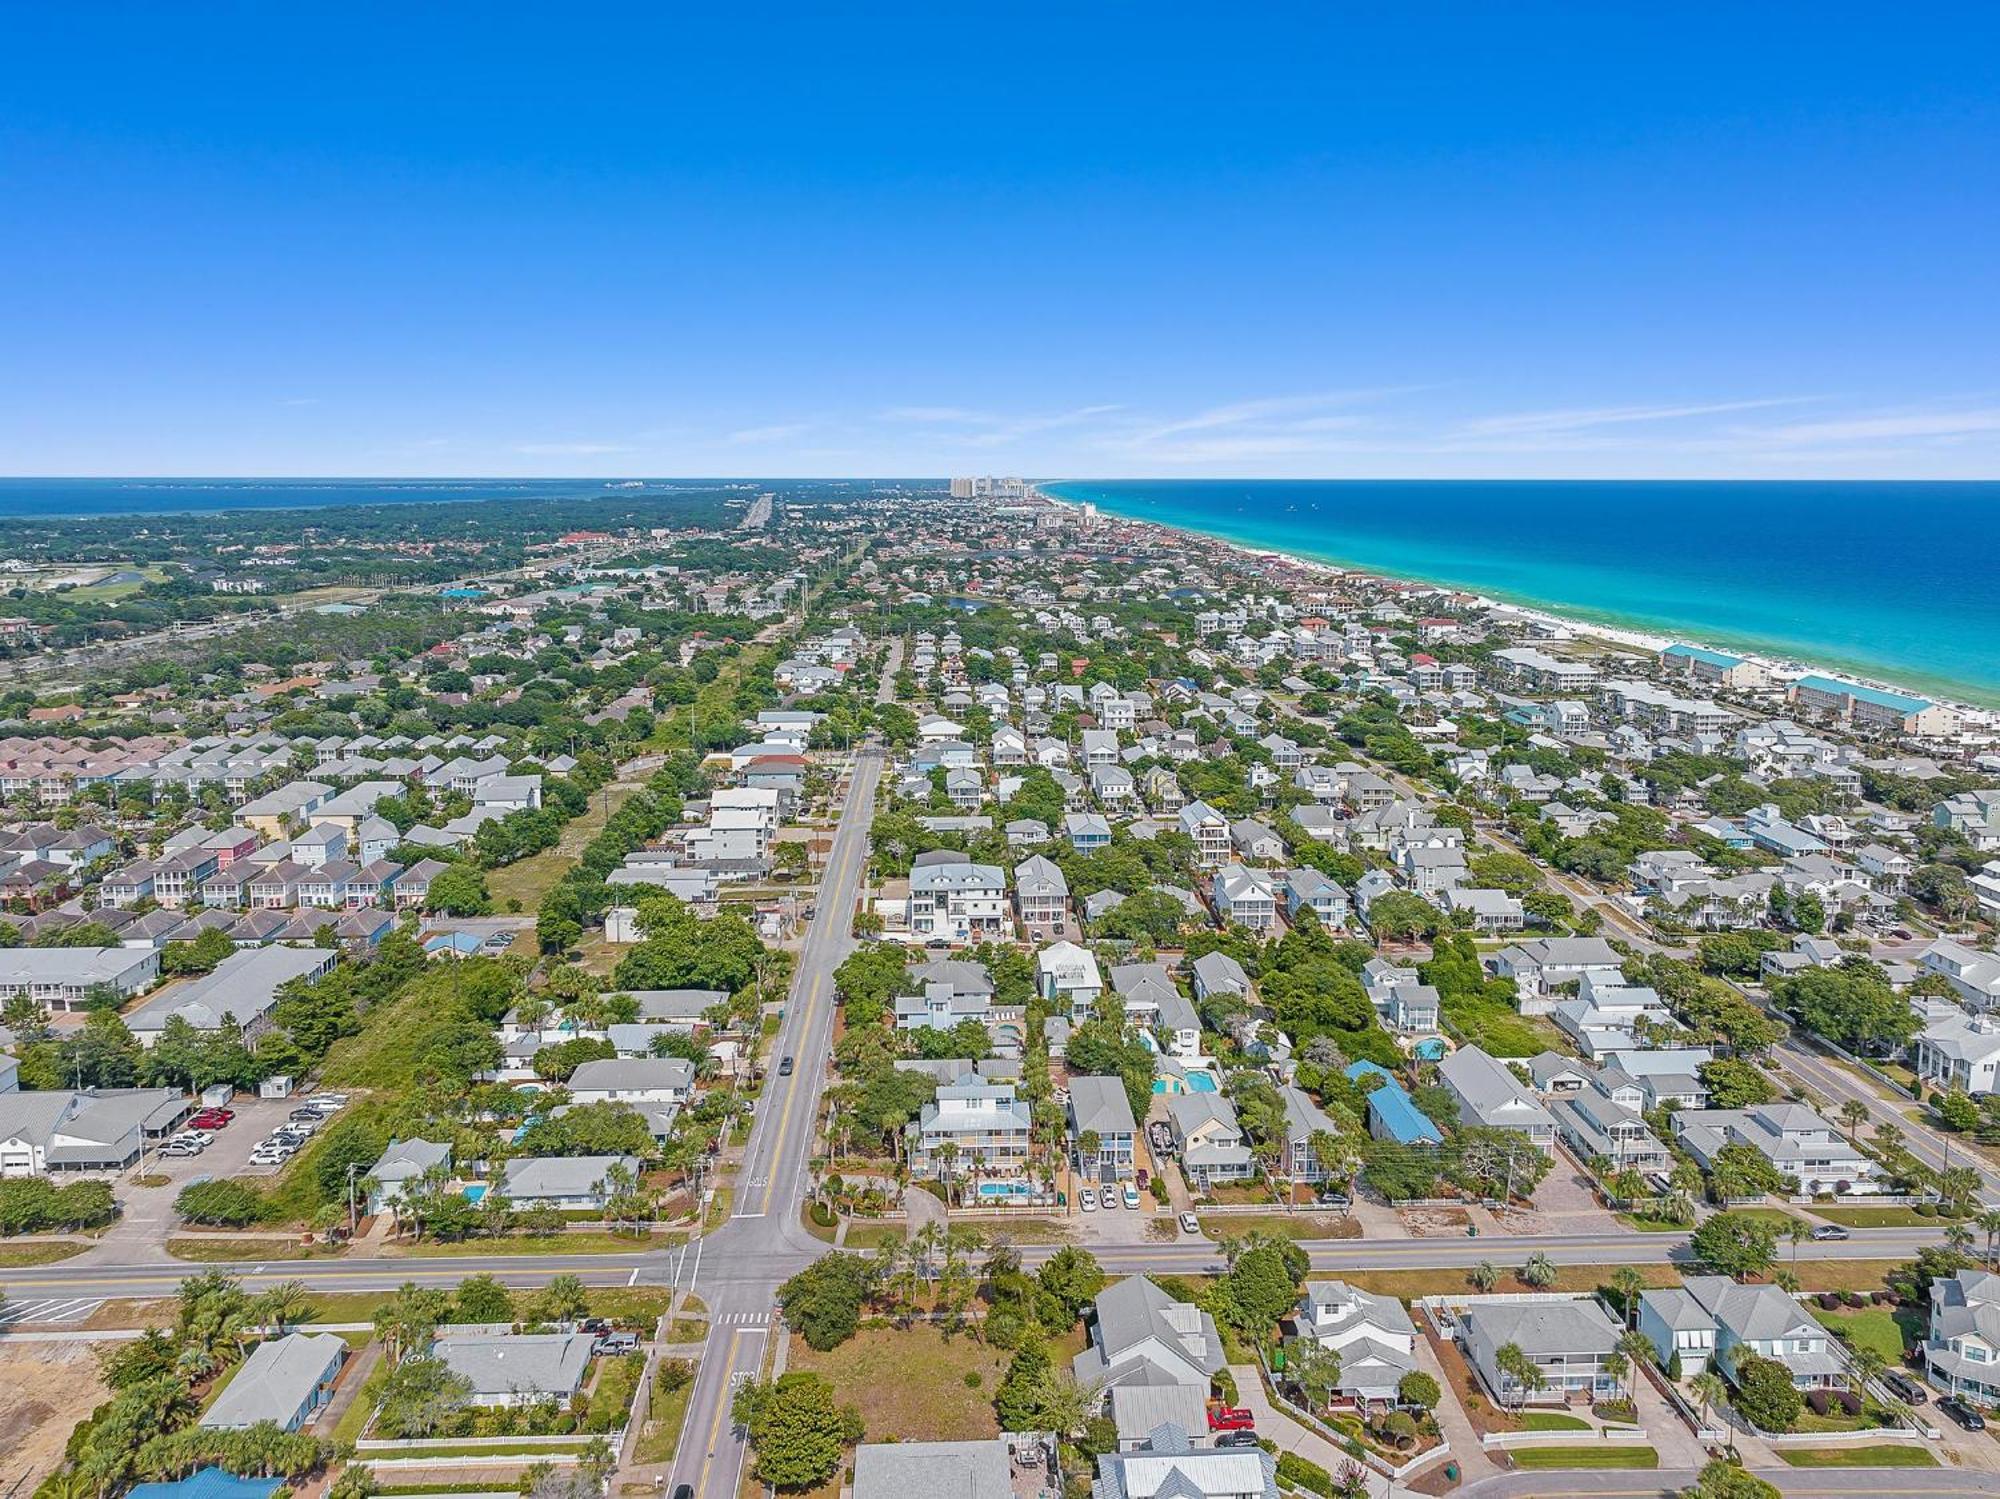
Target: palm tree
1853,1114
1484,1276
1707,1388
283,1304
1989,1224
1523,1374
1638,1351
1888,1139
1868,1363
1617,1366
1628,1283
1539,1271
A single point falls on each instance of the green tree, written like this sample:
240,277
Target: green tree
824,1300
1765,1394
1735,1244
481,1298
796,1428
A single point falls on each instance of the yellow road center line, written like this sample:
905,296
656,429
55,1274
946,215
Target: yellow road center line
715,1426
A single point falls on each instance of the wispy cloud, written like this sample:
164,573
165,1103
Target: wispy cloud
1578,419
571,449
935,414
1877,426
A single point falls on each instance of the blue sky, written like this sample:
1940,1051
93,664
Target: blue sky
1069,241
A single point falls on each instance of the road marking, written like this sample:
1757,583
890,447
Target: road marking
633,1278
49,1309
715,1426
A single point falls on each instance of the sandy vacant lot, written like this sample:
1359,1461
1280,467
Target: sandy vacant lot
45,1389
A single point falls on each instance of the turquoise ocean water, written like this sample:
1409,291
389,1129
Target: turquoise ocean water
1897,580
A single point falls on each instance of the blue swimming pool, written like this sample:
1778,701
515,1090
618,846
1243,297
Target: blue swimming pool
475,1191
1004,1191
1201,1082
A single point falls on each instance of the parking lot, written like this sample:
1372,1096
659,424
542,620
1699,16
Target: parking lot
229,1153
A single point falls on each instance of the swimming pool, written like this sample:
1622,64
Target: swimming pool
1004,1191
1201,1082
475,1191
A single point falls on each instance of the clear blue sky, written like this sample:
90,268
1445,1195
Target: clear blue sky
1092,239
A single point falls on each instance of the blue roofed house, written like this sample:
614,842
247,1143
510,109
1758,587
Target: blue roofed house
1392,1113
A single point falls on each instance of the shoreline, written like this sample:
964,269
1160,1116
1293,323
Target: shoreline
1583,619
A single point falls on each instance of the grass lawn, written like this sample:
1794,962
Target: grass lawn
874,1235
1640,1223
220,1251
1778,1218
1019,1230
41,1252
662,1432
1881,1455
1283,1226
1816,1275
1499,1029
909,1383
1885,1329
495,1449
587,1242
1539,1458
528,880
1551,1421
1890,1217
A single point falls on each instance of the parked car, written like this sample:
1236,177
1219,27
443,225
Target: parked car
307,1116
1826,1231
1962,1413
1087,1200
1229,1418
1190,1224
178,1150
1131,1195
211,1119
618,1342
1237,1439
1905,1388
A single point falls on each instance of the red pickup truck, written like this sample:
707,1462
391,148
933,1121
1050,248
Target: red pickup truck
1229,1418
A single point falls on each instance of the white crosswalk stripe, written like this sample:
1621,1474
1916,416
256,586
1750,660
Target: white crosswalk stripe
745,1319
49,1309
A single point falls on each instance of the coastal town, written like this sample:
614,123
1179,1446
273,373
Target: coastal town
916,990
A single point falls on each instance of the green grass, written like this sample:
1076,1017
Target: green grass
1881,1455
219,1251
909,1384
874,1235
1891,1217
495,1449
1778,1218
1640,1223
1885,1330
662,1431
1551,1421
1499,1029
42,1252
1283,1226
604,1242
1543,1458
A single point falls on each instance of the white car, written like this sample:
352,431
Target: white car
1131,1195
1088,1201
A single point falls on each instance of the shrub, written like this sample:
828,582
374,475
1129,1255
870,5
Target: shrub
1855,1299
1828,1300
1302,1473
1817,1399
1849,1402
223,1203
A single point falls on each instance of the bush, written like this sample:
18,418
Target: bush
1849,1402
1828,1301
1302,1473
1818,1400
1855,1299
1926,1210
221,1204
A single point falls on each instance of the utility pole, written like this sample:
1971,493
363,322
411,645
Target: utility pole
352,1222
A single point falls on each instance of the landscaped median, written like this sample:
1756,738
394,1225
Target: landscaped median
1538,1458
1876,1455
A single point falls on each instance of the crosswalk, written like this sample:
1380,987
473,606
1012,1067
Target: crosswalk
49,1309
744,1319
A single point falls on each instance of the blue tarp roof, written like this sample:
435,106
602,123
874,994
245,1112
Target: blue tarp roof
209,1483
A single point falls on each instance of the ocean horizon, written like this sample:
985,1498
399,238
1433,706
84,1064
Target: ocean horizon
37,499
1890,579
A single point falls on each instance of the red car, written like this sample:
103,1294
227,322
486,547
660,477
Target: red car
211,1119
1230,1418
